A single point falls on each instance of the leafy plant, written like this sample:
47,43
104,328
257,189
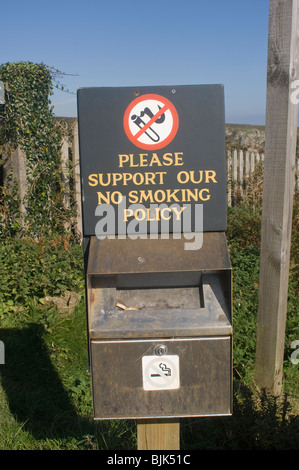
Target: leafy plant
31,269
9,208
27,121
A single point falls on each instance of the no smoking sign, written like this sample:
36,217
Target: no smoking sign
151,122
120,133
160,373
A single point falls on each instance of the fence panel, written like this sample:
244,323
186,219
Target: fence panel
242,167
70,153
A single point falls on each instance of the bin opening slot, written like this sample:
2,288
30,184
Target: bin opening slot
161,298
127,312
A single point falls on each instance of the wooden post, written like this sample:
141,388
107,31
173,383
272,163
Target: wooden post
77,186
65,171
15,162
229,176
279,177
65,176
158,434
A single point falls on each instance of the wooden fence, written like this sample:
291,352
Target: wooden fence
70,154
244,173
242,167
244,170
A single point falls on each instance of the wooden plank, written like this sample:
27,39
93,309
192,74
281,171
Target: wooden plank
241,171
65,171
158,434
257,160
252,163
279,177
229,177
246,165
65,177
77,184
235,165
15,162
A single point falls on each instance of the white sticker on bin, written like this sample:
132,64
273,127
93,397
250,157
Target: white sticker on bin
160,372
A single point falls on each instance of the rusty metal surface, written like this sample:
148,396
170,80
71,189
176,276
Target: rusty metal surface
151,313
144,292
205,379
120,256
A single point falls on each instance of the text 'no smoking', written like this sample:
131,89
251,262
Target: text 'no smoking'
151,122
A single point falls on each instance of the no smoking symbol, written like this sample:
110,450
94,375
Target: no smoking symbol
160,373
151,122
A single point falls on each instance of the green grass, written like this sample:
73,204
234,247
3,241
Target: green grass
45,391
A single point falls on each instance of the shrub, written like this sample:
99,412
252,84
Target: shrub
36,269
28,122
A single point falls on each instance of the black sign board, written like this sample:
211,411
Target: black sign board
152,159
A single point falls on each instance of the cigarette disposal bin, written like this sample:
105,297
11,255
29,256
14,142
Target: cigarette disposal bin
160,327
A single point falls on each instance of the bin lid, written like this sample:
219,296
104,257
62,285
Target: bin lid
126,255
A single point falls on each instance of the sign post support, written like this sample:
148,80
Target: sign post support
279,180
158,434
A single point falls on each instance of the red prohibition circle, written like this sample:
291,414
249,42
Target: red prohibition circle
167,106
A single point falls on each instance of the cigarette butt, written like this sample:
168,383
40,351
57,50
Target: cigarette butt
123,307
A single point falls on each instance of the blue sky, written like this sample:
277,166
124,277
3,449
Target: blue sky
135,43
